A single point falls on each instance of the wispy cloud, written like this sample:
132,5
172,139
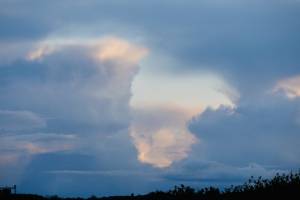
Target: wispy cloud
16,120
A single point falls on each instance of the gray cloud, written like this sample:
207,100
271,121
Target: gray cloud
68,101
265,131
202,173
242,40
20,120
68,88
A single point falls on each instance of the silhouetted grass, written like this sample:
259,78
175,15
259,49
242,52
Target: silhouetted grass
282,186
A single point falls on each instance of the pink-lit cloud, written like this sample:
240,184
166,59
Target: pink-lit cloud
289,86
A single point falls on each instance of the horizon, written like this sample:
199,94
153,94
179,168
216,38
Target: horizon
112,98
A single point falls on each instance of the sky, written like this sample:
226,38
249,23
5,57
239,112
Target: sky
120,97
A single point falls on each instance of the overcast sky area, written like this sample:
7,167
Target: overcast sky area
121,97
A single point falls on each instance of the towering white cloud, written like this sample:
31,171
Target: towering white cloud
163,104
160,135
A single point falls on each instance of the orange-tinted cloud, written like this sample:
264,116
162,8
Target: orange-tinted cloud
116,49
163,106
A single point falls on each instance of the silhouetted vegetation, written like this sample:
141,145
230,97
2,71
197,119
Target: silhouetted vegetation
284,186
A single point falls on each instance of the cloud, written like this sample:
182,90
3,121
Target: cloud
95,77
68,86
265,131
104,49
289,86
40,52
20,120
191,92
18,150
208,173
162,106
115,49
98,169
36,143
93,172
60,98
160,136
58,69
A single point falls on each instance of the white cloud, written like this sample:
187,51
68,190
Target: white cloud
40,52
104,49
115,49
161,146
116,64
290,86
163,104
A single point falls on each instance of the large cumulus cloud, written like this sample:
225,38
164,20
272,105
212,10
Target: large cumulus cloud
66,99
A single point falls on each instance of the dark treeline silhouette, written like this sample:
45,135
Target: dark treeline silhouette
284,186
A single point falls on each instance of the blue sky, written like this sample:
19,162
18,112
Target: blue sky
121,97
